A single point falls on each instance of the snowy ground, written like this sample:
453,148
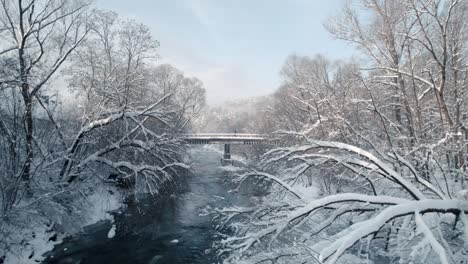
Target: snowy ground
45,227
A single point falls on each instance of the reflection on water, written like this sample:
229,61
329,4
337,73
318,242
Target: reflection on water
170,230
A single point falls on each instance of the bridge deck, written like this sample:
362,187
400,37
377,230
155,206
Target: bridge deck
225,138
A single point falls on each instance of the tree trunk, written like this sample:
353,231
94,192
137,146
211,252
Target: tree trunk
28,120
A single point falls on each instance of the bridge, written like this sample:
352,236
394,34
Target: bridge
227,139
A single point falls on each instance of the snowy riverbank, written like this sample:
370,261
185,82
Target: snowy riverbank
29,233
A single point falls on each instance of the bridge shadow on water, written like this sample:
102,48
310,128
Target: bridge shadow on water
169,230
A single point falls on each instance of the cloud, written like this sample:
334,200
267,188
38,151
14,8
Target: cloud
223,82
227,82
223,79
199,10
204,12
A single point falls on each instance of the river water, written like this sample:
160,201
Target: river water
170,230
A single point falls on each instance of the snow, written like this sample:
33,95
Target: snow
246,242
308,193
111,233
101,203
429,236
211,148
464,219
353,259
230,168
384,168
337,248
462,195
38,244
399,192
218,197
39,231
275,179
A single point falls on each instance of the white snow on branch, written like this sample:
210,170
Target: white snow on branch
275,179
368,227
429,236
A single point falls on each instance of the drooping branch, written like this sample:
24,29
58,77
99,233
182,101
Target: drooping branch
332,252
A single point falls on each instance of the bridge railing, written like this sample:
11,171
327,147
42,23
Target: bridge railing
224,135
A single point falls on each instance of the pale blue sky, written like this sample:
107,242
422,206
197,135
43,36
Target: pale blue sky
236,47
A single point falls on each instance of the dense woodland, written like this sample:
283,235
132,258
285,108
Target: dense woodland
373,163
114,120
370,164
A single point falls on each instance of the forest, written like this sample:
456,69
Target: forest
369,164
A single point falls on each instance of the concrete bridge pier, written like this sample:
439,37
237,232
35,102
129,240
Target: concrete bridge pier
227,152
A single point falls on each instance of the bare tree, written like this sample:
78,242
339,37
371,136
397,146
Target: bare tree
389,202
388,181
124,112
39,36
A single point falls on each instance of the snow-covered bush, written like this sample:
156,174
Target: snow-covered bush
386,211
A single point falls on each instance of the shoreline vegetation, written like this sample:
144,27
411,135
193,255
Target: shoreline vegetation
370,156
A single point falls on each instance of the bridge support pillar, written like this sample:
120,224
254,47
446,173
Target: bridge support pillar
227,152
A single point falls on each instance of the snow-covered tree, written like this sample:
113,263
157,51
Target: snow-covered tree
116,125
384,209
37,38
374,163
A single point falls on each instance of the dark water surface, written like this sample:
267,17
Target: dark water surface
170,230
